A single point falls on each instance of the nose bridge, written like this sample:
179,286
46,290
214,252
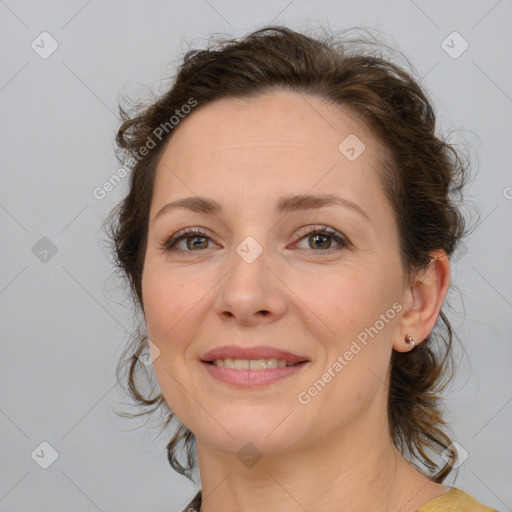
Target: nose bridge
249,260
251,233
250,249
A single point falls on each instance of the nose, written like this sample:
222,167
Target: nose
251,292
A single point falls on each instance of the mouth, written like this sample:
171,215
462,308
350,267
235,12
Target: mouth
262,357
251,366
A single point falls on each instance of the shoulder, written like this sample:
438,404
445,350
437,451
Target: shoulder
455,500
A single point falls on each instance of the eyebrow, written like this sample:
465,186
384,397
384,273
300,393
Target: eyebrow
284,205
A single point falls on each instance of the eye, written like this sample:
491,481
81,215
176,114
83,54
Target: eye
194,239
321,237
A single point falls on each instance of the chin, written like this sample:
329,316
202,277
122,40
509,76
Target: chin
269,436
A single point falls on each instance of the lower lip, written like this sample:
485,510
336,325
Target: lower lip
252,378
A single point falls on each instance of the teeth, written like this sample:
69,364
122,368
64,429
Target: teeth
252,364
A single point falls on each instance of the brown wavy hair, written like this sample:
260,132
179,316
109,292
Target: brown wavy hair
422,174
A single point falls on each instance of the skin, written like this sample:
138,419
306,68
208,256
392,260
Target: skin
245,154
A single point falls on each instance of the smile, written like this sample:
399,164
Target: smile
251,378
252,364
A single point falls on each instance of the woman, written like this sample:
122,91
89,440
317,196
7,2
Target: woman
287,236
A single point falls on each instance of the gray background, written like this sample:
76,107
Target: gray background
63,320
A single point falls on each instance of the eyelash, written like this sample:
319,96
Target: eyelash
169,244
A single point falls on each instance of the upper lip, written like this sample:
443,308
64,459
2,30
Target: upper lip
259,352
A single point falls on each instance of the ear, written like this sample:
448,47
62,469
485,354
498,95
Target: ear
423,299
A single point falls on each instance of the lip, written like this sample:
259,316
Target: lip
257,352
252,378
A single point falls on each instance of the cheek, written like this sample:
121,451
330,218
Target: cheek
345,301
357,309
158,303
169,309
356,340
167,299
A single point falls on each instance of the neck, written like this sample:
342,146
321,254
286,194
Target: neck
357,469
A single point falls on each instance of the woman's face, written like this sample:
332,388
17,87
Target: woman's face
258,275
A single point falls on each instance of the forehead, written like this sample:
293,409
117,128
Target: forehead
277,117
281,140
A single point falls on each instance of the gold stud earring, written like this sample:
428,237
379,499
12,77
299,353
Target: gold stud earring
408,339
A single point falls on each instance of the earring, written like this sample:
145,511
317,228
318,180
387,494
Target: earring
408,339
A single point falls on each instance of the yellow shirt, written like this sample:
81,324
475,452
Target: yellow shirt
454,500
